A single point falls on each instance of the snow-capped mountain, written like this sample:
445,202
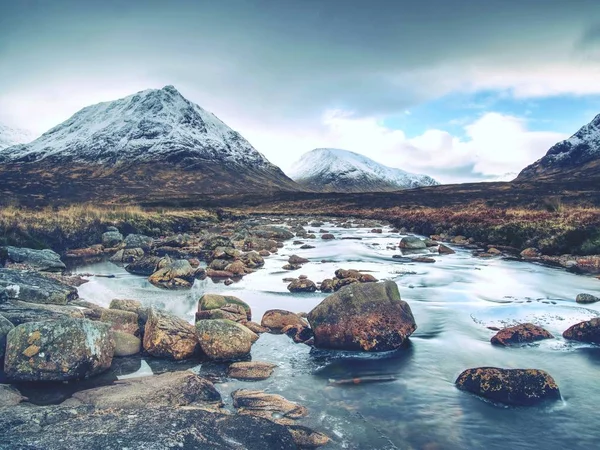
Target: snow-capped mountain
13,136
335,170
580,153
151,145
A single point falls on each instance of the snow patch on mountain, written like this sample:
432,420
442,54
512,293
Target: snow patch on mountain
151,125
352,171
13,136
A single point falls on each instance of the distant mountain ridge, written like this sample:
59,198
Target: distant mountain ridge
151,145
13,136
336,170
579,154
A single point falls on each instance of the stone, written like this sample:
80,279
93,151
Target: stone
588,331
272,232
445,250
277,319
134,306
18,312
296,260
176,275
124,321
422,259
520,334
291,267
224,340
253,260
305,437
218,273
363,316
5,327
530,252
519,387
112,238
210,302
9,396
30,286
326,285
327,236
307,247
586,298
147,265
298,333
43,260
127,255
412,243
237,268
256,328
268,406
251,370
66,349
126,344
168,336
183,388
139,241
212,242
302,285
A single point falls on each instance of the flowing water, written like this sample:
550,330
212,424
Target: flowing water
453,301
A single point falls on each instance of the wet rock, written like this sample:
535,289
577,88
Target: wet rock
277,319
530,253
327,236
268,406
112,238
124,321
445,250
139,241
264,253
259,244
251,370
521,387
307,247
183,388
377,230
302,285
218,273
9,396
363,316
29,286
5,327
236,309
256,327
304,437
43,260
298,333
66,349
168,336
224,340
218,264
147,265
326,285
520,334
291,267
126,344
412,243
296,260
588,331
586,298
127,255
179,274
422,259
134,306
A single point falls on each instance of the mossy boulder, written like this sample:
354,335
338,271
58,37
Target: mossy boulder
223,306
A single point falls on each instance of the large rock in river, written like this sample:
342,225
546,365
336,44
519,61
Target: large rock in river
588,331
363,316
30,286
168,336
44,260
521,387
66,349
224,340
215,306
520,334
412,243
177,274
277,319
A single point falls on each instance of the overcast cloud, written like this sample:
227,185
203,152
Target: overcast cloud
294,75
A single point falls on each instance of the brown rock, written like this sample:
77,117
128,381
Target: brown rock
588,331
277,319
445,250
258,403
302,285
224,340
256,328
168,336
530,253
520,334
298,333
304,437
124,321
252,370
327,236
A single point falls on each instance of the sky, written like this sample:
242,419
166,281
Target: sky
461,90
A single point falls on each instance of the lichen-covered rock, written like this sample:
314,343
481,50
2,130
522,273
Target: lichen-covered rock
224,340
327,285
256,327
147,265
126,344
586,298
363,316
305,437
522,387
112,238
258,403
251,370
212,242
412,243
277,319
127,255
5,327
228,305
139,241
520,334
588,331
272,232
44,260
124,321
18,312
237,268
66,349
168,336
253,260
302,285
178,274
30,286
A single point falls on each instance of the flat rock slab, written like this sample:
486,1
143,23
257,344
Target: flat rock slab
30,286
251,370
18,312
45,260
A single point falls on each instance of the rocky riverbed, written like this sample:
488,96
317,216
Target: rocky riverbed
286,333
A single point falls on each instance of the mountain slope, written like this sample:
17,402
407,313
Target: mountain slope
13,136
151,146
335,170
579,155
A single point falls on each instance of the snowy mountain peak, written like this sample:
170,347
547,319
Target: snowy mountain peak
151,125
333,169
577,152
13,136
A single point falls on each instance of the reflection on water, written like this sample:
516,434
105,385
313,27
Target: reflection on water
416,404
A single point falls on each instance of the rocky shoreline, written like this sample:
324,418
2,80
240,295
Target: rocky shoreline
48,334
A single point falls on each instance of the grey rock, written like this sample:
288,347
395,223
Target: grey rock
44,260
412,243
112,238
30,286
586,298
5,327
139,241
18,312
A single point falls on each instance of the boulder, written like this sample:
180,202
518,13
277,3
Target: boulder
139,241
586,298
520,334
112,238
520,387
271,232
253,260
412,243
66,349
5,327
18,312
363,316
445,250
251,370
302,285
256,328
178,274
183,388
530,252
147,265
134,306
224,340
168,336
327,285
305,437
127,255
43,260
29,286
277,319
124,321
268,406
218,264
227,303
327,236
212,242
298,333
237,268
126,344
296,260
588,331
9,396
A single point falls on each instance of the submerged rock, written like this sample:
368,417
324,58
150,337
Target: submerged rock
277,319
29,286
521,387
520,334
66,349
363,316
251,370
44,260
168,336
224,340
588,331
